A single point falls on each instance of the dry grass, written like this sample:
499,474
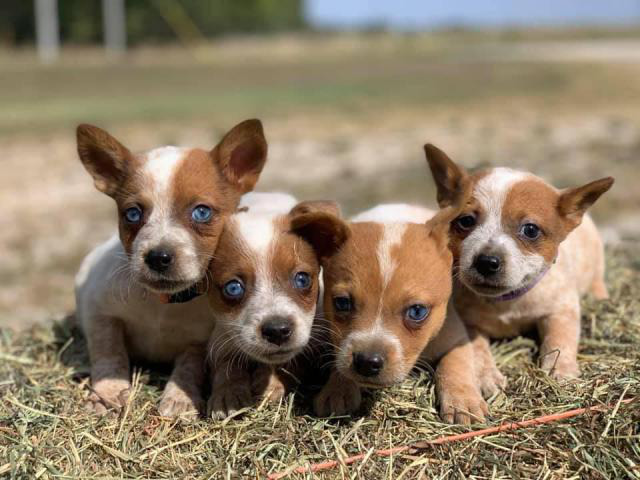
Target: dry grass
45,432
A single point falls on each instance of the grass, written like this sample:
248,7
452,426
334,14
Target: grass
44,432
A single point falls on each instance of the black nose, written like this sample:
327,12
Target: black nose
158,260
277,331
368,364
487,265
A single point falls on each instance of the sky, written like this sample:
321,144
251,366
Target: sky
417,14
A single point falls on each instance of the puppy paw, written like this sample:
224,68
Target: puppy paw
491,381
177,403
227,398
337,398
108,395
563,370
463,405
267,384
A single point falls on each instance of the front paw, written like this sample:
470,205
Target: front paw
177,403
227,398
107,395
559,366
491,381
337,398
463,405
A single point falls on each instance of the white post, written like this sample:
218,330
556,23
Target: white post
115,32
47,30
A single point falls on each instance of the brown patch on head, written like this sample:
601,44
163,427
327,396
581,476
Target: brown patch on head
385,270
533,201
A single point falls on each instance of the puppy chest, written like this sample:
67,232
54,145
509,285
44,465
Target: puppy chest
162,335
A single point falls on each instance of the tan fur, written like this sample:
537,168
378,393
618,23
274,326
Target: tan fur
417,270
265,261
119,304
568,237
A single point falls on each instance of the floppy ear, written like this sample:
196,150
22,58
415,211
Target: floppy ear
448,177
241,154
574,202
326,206
103,156
324,231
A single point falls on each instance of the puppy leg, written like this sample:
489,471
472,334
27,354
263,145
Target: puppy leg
183,394
457,386
230,389
560,334
340,396
109,364
490,380
268,383
599,290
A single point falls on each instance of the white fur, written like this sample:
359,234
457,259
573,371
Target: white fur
394,212
268,202
490,238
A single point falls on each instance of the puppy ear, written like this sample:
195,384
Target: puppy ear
448,176
103,156
241,154
439,225
574,202
326,206
324,231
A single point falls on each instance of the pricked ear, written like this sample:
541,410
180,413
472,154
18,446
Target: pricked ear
325,232
326,206
103,156
574,202
448,177
241,154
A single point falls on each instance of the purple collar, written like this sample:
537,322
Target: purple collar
518,292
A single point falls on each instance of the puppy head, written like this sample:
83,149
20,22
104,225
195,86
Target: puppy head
386,294
265,282
172,202
512,224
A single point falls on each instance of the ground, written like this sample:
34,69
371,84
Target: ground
346,117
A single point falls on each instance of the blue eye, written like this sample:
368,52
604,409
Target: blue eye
233,290
133,215
417,313
342,304
301,280
201,214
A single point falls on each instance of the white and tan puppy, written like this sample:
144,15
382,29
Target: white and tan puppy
524,253
386,299
172,205
263,296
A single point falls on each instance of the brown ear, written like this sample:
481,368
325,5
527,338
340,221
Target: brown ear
448,176
325,232
241,154
103,156
440,224
326,206
574,202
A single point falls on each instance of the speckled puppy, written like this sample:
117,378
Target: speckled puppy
172,204
524,254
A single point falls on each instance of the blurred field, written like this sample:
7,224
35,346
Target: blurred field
345,115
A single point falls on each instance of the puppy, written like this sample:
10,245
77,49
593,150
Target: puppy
386,295
524,254
172,204
265,287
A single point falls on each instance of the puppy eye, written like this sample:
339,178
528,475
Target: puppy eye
301,280
342,304
465,222
416,314
201,214
233,290
133,215
530,231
